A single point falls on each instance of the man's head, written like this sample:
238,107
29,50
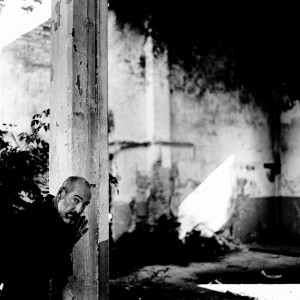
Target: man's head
72,198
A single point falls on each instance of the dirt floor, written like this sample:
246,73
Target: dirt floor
261,265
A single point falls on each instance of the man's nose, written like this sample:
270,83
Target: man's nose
79,208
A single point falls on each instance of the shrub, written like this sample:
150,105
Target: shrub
24,165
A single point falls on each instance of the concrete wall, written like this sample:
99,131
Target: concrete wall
169,137
204,131
25,77
289,206
220,126
126,90
126,67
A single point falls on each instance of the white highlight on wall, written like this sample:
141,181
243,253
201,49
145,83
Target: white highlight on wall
14,22
209,204
259,291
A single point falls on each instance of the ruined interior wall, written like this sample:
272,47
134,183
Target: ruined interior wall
25,91
25,77
126,98
290,175
219,125
206,129
126,67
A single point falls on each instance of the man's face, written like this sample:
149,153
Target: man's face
72,205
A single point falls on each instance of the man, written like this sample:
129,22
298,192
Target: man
38,243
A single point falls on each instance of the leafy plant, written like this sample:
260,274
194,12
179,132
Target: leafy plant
24,165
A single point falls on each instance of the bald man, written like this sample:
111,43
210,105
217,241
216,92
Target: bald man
38,243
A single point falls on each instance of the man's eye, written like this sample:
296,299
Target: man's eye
76,200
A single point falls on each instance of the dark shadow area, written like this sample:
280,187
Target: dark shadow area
159,244
147,245
227,45
244,267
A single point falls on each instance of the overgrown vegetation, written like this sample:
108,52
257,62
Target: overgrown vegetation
152,236
148,244
159,244
24,165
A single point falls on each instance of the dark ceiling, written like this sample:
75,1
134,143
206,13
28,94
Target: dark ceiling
258,44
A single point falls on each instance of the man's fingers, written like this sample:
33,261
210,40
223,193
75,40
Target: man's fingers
84,231
76,220
81,221
85,223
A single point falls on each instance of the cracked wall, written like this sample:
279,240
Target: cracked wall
204,128
220,125
288,181
24,77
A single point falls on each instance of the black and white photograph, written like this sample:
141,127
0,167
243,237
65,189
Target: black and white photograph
149,150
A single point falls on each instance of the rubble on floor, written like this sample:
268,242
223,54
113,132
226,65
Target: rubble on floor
182,282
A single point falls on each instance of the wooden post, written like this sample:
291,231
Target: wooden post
78,142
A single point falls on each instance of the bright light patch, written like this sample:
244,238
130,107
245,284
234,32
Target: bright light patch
258,291
14,22
209,203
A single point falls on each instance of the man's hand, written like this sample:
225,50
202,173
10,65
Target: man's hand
79,228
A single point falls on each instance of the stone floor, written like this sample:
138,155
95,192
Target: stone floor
279,266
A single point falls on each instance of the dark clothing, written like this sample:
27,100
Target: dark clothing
36,247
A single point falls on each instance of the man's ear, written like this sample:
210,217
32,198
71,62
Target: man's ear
61,193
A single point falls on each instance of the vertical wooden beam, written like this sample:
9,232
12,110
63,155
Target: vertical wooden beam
78,143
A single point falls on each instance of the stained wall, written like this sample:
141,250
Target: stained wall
168,137
25,77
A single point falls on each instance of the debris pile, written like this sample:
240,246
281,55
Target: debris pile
202,244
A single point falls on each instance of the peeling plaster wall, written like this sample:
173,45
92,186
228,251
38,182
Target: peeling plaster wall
125,166
138,98
290,175
204,131
25,77
290,146
200,133
126,89
126,98
220,126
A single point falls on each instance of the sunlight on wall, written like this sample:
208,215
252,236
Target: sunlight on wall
209,203
24,86
259,291
14,22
